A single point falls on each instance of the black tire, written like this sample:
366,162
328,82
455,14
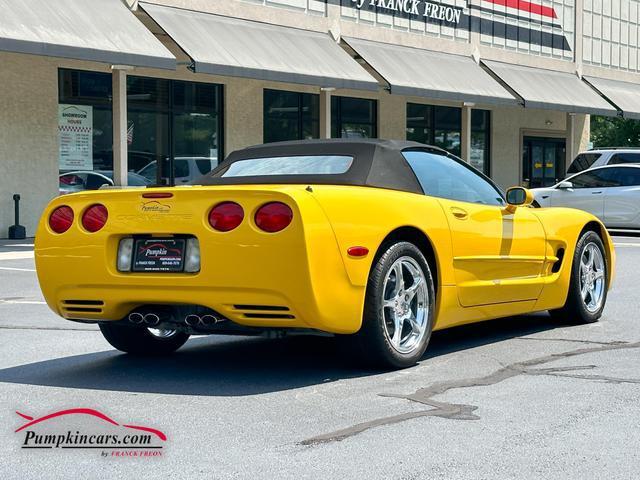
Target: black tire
140,341
373,339
575,311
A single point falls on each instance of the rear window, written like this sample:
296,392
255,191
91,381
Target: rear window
297,165
583,161
620,158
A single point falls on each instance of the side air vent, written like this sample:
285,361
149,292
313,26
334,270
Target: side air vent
82,310
83,302
82,306
264,308
556,266
269,315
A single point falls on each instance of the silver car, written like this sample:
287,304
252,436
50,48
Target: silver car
604,156
611,193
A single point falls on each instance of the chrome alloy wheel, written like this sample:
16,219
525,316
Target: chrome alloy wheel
405,305
592,277
162,332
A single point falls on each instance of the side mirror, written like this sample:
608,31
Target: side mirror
565,185
518,197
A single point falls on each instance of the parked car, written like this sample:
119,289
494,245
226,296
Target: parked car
381,241
71,182
611,193
602,157
186,169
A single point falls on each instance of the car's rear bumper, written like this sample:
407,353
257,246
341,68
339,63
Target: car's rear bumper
299,270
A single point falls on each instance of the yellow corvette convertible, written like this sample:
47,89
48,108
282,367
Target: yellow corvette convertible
384,241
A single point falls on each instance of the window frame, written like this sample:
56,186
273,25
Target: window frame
300,113
594,172
172,111
464,164
337,111
169,108
431,126
615,156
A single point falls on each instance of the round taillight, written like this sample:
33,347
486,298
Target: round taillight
226,216
273,217
94,217
61,219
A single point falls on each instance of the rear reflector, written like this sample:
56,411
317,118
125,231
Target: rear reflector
61,219
273,217
226,216
157,195
94,217
357,251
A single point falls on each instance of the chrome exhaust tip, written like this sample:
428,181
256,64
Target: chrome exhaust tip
136,317
192,320
151,319
207,320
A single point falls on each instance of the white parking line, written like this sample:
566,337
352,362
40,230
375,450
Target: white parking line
626,244
15,269
22,302
15,255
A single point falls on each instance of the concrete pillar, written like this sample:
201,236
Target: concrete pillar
465,147
325,112
572,139
119,105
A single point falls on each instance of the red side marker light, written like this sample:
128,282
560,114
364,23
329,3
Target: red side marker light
357,251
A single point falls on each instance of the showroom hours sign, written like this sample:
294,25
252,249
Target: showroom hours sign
414,8
75,137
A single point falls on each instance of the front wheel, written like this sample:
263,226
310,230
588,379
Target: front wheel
589,282
141,340
398,313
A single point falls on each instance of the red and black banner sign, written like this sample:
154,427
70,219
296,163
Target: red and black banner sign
532,22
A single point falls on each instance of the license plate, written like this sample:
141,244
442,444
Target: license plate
159,255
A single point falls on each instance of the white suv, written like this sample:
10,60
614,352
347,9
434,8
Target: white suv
602,157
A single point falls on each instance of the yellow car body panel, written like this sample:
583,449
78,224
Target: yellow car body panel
489,263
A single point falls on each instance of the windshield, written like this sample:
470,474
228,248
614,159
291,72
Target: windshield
295,165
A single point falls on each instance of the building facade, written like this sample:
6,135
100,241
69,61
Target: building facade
159,92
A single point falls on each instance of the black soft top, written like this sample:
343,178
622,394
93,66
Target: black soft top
376,163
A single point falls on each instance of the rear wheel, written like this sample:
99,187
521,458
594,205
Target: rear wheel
589,282
142,340
398,314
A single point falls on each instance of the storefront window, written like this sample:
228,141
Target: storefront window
174,128
442,127
353,117
290,116
84,121
481,140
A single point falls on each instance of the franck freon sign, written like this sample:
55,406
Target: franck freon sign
529,22
416,8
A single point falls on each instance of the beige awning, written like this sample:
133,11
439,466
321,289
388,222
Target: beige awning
96,30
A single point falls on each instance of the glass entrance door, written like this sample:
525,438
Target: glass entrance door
543,161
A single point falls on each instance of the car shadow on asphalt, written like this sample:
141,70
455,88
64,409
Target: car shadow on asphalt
235,366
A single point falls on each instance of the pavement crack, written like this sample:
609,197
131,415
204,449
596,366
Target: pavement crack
572,340
455,411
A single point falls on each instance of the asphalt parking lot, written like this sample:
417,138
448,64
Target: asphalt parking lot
514,398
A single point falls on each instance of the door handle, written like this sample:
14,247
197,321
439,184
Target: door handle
459,213
596,193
